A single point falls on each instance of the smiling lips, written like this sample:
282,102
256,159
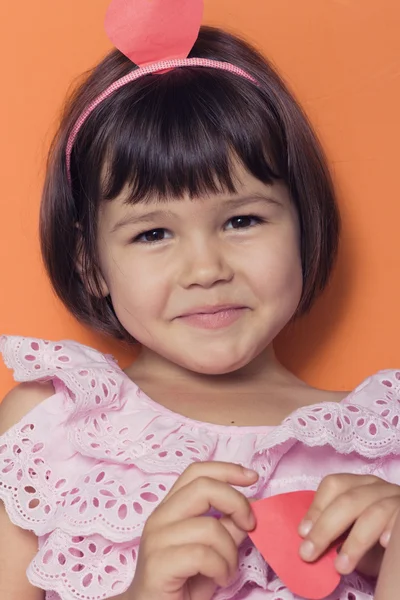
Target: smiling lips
213,317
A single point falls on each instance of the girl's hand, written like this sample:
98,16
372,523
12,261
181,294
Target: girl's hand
184,555
388,584
366,504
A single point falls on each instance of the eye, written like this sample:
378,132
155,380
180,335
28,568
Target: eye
244,221
152,236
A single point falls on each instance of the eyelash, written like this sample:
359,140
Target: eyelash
137,240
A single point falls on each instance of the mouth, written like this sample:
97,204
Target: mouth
213,317
211,310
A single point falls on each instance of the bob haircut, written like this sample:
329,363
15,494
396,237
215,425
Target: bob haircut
171,134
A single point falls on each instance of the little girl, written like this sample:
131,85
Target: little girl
188,207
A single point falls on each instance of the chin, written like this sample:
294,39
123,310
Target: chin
213,365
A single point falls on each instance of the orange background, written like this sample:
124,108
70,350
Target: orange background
341,58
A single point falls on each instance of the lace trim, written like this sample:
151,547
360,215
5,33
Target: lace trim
91,379
345,427
254,571
162,445
30,488
80,568
92,568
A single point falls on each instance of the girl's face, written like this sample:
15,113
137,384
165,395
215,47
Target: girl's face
207,283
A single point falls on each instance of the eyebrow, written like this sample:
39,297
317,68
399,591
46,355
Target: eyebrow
153,215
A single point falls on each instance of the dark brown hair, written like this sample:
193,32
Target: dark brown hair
174,133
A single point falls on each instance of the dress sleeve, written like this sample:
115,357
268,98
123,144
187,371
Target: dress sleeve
41,474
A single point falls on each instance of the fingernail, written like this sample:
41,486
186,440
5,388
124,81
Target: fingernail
385,538
307,550
250,473
305,528
342,563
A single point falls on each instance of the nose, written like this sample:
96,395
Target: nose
204,265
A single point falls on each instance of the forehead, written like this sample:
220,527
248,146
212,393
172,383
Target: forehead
247,188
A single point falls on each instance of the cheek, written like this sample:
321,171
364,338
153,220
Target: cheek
277,270
135,288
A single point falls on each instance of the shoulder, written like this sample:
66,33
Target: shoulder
384,383
21,400
309,396
86,376
334,396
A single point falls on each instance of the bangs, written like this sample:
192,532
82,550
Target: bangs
181,133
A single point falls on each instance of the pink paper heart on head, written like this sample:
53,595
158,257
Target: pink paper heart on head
278,541
150,31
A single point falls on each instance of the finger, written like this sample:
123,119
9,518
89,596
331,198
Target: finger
201,587
388,582
222,471
182,562
197,497
206,531
330,488
366,533
236,533
341,514
370,564
387,534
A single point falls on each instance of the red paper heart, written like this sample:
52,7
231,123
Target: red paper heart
149,31
277,539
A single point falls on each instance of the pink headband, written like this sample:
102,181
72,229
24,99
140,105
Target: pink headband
156,38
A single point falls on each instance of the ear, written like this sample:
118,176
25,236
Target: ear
103,286
92,279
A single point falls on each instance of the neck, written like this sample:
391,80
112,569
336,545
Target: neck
264,369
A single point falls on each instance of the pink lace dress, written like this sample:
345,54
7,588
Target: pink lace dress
86,467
